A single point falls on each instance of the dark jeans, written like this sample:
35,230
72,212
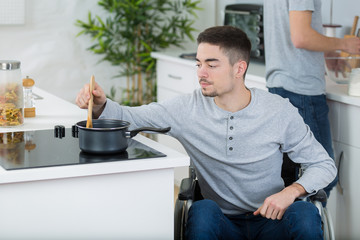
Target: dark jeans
206,221
314,110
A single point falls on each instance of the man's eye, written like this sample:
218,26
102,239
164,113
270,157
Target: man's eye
212,66
197,65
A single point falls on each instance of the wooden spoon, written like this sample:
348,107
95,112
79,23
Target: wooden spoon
91,103
353,28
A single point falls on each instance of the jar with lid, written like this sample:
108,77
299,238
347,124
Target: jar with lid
29,102
11,94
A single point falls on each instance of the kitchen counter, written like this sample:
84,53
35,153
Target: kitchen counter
173,159
111,200
51,111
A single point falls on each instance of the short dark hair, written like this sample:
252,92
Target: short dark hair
232,41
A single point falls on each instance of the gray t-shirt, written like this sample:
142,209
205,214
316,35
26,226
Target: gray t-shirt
237,156
296,70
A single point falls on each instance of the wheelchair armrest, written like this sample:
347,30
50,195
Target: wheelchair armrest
320,196
187,189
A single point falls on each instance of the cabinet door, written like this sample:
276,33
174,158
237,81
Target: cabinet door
176,77
349,125
347,194
334,118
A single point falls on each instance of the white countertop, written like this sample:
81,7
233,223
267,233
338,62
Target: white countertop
338,92
51,111
256,72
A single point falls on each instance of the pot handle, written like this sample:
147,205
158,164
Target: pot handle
134,132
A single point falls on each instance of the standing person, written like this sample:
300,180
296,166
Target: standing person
236,138
294,58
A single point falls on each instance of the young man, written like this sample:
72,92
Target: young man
236,138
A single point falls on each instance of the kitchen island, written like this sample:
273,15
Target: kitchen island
127,199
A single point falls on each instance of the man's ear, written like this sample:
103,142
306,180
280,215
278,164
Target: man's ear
240,68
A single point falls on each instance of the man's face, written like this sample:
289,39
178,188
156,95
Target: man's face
216,75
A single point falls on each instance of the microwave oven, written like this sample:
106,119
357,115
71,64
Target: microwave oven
249,18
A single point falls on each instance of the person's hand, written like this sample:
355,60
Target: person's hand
275,205
83,97
335,64
352,45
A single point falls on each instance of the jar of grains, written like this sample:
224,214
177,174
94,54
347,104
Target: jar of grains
11,94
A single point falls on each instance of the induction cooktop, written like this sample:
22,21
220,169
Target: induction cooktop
40,148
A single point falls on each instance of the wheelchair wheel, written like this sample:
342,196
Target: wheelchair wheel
326,222
327,225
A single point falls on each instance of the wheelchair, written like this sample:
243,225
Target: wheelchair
190,192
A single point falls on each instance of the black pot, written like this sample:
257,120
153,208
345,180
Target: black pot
107,135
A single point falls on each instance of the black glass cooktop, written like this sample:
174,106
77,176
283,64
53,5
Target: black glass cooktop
34,149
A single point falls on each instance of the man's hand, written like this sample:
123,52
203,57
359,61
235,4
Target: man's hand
275,205
83,97
351,45
336,64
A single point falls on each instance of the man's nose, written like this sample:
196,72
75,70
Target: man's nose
201,72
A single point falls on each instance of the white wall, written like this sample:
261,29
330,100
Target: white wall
344,12
58,61
48,48
53,56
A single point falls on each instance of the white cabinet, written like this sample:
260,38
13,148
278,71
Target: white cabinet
252,81
343,202
176,76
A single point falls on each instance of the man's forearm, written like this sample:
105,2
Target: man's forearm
305,37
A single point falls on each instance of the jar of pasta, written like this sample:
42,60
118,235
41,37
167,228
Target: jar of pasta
11,94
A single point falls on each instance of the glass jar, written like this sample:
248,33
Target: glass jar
11,94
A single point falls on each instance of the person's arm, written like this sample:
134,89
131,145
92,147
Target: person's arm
275,205
304,36
299,143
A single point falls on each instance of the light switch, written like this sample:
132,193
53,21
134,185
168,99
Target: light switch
12,12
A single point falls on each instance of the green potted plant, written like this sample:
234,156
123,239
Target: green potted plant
132,30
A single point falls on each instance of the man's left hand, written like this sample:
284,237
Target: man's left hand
275,205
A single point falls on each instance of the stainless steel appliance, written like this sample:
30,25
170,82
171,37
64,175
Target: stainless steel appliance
249,18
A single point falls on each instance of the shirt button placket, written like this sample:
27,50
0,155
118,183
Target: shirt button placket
231,138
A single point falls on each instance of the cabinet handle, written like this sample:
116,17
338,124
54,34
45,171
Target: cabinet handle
174,77
339,186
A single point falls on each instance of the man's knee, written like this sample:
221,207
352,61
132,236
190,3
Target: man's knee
202,210
303,219
203,220
303,210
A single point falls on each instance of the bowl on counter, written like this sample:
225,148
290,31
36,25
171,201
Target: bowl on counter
343,70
